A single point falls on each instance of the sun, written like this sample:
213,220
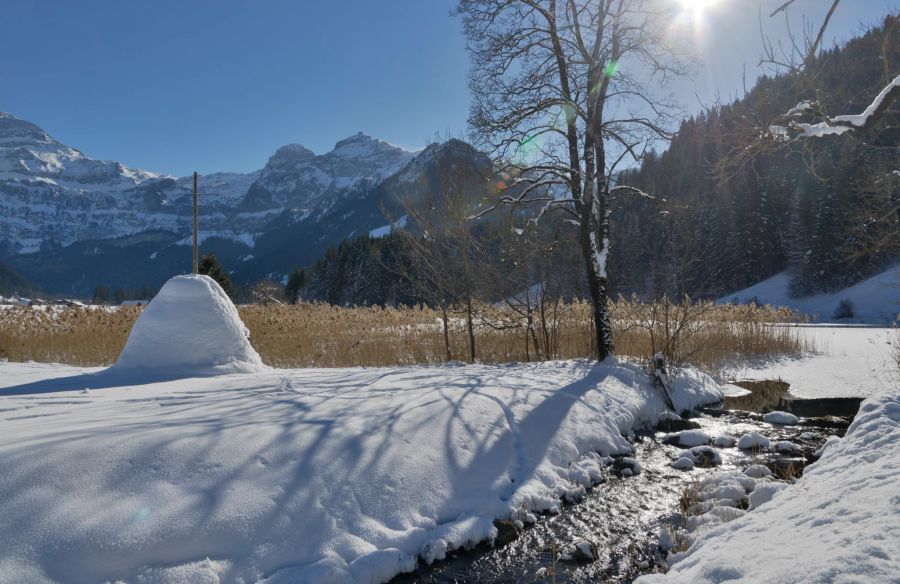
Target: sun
696,7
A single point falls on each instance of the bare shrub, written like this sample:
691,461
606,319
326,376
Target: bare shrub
703,333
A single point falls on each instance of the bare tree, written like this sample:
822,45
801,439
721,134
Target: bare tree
437,240
266,291
562,99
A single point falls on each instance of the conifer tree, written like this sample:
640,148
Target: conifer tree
296,282
209,265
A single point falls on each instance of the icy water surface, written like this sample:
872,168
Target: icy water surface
623,515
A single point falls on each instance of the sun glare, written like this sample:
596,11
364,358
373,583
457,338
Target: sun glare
696,7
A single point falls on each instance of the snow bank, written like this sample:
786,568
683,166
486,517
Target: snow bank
314,475
839,523
190,328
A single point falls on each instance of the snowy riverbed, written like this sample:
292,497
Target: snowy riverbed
840,522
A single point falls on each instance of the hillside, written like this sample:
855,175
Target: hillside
826,212
875,300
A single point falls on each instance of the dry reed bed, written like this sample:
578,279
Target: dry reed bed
318,335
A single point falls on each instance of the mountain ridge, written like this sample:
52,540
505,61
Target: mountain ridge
64,216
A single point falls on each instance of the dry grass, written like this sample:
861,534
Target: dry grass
316,335
54,334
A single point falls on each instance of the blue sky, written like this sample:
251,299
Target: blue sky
207,85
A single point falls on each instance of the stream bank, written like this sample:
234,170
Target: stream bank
613,533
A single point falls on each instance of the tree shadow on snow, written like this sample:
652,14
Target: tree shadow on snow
107,378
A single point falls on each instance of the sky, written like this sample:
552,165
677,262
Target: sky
218,85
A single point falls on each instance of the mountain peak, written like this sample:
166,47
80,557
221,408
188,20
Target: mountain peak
361,145
357,138
294,151
18,132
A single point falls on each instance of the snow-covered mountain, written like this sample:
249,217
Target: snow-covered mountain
52,192
67,220
53,195
296,180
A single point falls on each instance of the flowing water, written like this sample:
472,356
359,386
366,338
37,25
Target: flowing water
623,515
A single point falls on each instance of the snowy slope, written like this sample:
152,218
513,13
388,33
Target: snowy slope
839,523
338,475
875,301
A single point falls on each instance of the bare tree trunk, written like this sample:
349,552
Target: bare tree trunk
470,328
534,339
599,301
445,321
527,354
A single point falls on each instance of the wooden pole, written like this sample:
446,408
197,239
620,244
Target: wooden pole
196,224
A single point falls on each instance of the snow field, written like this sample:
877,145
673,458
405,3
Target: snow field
316,475
849,362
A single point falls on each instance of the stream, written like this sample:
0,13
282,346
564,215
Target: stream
623,515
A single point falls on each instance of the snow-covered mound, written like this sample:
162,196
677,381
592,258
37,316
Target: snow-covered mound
190,328
839,523
313,475
874,301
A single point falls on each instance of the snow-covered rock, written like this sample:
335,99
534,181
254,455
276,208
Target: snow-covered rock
703,456
666,538
684,463
581,551
757,471
672,422
687,438
753,441
630,466
781,418
724,441
787,447
191,328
